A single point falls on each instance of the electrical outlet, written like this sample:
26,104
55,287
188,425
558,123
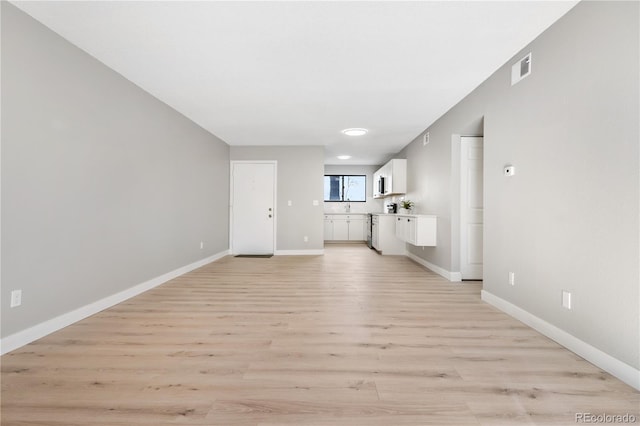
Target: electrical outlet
289,203
566,299
201,245
306,239
16,298
512,278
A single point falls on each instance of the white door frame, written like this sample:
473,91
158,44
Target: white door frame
275,198
463,214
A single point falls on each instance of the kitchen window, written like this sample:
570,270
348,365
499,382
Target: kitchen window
345,188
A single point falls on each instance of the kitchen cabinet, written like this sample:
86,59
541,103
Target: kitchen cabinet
344,227
328,229
356,229
417,230
395,177
383,237
390,179
340,228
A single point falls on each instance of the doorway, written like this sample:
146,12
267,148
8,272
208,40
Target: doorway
471,207
252,207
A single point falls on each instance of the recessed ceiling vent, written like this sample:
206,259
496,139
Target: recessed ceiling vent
521,69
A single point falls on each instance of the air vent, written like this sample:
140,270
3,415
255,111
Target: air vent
521,69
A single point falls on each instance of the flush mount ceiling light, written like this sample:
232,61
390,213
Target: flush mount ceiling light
343,157
355,131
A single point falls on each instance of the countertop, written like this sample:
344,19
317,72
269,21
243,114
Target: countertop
402,214
378,214
343,213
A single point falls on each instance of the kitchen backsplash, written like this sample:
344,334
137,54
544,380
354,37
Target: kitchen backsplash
372,205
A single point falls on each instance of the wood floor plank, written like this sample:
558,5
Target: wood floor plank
348,338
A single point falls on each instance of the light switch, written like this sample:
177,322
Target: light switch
289,203
315,202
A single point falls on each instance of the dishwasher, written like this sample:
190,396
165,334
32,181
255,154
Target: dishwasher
373,229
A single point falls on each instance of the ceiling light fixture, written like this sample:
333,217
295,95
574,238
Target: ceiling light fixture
355,131
343,157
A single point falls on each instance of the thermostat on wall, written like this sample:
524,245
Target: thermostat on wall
509,170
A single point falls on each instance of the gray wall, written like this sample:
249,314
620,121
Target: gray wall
372,205
103,186
569,218
300,179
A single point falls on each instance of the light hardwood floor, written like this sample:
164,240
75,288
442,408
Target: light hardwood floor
348,338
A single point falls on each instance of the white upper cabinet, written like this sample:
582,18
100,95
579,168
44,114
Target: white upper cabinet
390,179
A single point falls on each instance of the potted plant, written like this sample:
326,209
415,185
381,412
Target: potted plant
407,205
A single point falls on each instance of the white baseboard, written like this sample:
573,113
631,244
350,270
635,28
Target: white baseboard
451,276
299,252
456,277
615,367
24,337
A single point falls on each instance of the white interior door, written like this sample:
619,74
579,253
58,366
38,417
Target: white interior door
471,208
253,207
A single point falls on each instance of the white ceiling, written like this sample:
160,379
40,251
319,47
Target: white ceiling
296,73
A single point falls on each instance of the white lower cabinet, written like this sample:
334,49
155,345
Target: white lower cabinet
383,237
328,229
417,230
390,232
356,229
340,227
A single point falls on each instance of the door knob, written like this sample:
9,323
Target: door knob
269,215
269,208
